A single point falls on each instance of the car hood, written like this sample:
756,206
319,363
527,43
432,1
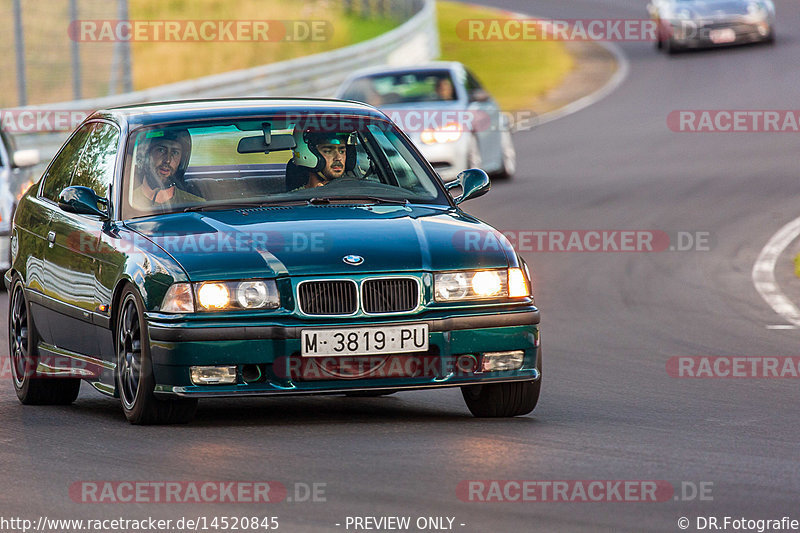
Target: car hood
314,240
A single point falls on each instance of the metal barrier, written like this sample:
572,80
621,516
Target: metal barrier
414,41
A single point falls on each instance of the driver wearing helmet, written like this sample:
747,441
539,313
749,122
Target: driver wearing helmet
324,156
161,163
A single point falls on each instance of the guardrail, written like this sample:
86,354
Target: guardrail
414,41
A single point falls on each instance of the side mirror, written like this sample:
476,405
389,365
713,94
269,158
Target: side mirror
26,158
473,182
479,95
83,201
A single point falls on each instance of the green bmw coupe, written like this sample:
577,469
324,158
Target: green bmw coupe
255,247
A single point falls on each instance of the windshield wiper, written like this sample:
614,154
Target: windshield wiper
243,205
358,198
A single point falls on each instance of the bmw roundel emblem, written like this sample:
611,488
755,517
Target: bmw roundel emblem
353,259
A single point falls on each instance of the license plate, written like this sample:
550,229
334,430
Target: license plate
722,36
364,341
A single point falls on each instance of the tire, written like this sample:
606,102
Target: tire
135,379
23,341
509,158
671,48
499,400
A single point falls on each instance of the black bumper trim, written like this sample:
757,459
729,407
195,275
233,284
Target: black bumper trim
298,392
225,333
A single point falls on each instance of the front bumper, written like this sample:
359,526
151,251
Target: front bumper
706,34
175,347
448,159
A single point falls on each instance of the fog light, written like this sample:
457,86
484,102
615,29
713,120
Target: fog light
467,364
214,375
498,361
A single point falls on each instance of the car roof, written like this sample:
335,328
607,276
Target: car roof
222,108
433,65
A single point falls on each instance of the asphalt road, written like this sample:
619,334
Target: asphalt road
611,321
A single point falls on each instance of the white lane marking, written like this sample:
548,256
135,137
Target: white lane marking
764,272
781,326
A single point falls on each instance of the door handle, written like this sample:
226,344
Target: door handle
51,238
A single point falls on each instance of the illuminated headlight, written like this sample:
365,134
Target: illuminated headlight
448,134
213,296
221,296
213,375
498,361
481,284
250,294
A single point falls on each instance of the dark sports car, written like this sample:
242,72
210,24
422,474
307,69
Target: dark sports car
252,247
684,24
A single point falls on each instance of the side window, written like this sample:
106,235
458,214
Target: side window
96,166
472,83
59,174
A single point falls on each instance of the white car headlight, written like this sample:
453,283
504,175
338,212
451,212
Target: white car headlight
448,134
221,296
480,285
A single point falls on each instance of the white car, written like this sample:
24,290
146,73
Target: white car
442,107
15,178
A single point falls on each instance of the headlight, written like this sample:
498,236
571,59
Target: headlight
448,134
221,296
213,296
480,285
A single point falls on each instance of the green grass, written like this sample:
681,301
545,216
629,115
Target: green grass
516,73
157,63
48,45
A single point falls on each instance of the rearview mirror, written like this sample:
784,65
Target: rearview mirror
83,201
26,158
473,182
255,145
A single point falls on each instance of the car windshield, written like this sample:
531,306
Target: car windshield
277,159
402,88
